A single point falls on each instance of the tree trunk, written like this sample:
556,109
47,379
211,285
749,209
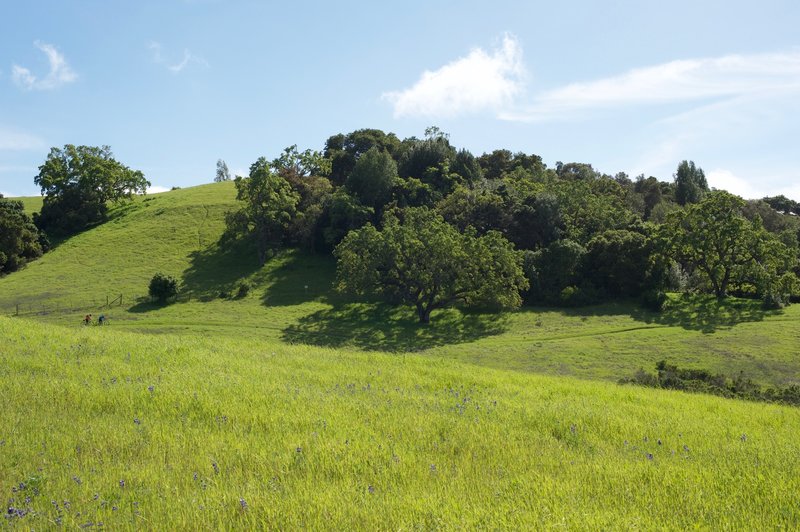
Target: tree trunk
423,313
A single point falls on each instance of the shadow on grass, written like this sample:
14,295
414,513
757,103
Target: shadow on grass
296,277
706,313
373,326
218,270
695,312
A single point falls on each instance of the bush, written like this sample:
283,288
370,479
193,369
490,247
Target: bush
243,290
163,287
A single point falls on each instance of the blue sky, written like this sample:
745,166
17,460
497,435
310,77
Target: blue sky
633,86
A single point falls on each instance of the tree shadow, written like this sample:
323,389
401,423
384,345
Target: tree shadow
375,326
217,270
696,312
296,277
705,313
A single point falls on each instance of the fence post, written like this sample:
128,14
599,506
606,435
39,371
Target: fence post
17,309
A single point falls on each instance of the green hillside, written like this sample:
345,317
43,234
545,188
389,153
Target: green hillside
292,301
178,432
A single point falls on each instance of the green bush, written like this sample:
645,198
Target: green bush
243,290
163,288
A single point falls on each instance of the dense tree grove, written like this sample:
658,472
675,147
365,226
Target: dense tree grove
20,241
422,222
405,219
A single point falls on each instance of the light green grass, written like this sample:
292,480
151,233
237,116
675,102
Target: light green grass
334,439
32,203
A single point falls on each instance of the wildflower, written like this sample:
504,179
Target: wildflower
685,447
659,441
573,429
194,476
121,483
744,437
299,449
136,421
216,467
151,388
243,504
649,456
371,489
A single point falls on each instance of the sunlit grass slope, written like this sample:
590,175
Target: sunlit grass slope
291,301
169,432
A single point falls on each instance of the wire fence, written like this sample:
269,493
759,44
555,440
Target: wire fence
69,305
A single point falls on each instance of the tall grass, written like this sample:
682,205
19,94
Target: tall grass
183,432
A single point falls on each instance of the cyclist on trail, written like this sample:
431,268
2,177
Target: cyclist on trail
87,319
101,320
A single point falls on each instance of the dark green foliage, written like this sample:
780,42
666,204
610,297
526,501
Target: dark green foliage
467,166
372,179
536,221
650,191
479,208
577,171
429,160
672,377
690,183
78,182
620,263
343,151
269,207
419,259
162,288
501,163
553,269
243,289
342,214
20,241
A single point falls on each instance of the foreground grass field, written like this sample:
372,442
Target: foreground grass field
175,432
292,302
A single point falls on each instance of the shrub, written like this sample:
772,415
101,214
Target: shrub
243,290
163,287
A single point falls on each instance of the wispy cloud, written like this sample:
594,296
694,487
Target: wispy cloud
479,82
729,76
175,67
155,189
12,140
60,72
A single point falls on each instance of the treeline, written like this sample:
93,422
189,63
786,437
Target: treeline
422,222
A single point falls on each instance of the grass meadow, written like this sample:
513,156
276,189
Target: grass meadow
293,407
180,432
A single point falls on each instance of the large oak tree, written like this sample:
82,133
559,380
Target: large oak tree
417,258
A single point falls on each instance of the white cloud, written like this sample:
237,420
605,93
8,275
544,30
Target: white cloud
60,72
11,140
726,180
685,80
155,189
479,82
188,58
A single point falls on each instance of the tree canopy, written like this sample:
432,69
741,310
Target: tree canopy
78,182
19,238
419,259
269,205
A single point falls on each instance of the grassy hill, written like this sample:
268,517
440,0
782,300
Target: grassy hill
292,301
179,432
